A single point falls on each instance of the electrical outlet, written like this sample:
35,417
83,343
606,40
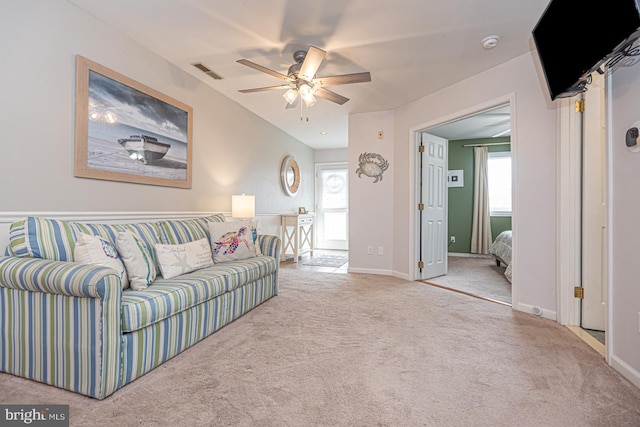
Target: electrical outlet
380,250
453,239
369,250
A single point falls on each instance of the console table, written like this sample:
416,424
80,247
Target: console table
297,235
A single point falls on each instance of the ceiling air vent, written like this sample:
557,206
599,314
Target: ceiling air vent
207,71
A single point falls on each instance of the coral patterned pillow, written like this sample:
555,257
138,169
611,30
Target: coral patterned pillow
231,241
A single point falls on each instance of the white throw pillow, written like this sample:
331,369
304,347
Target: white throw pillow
95,250
231,240
137,260
175,260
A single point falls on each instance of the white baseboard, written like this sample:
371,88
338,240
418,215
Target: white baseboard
401,275
547,314
625,370
466,255
370,271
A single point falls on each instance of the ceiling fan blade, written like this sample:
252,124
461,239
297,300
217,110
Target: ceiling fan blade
311,63
262,89
331,96
263,69
344,79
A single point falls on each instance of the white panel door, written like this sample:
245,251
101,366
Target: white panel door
593,207
332,206
434,216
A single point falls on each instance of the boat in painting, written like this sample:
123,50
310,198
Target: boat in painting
144,148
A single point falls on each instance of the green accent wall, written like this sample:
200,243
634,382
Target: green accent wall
461,198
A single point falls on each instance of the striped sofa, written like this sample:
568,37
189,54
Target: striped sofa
70,325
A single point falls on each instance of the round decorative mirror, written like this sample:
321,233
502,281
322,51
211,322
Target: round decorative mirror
290,176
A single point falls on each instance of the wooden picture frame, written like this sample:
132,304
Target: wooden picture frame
128,132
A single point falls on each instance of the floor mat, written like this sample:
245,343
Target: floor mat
326,261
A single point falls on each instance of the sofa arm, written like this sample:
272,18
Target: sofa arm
56,277
270,245
60,324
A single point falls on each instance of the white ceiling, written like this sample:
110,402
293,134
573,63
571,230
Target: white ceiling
412,48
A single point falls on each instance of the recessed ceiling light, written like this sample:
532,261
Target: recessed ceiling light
490,42
323,133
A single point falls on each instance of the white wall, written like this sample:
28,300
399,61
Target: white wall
332,156
625,230
534,150
371,207
234,151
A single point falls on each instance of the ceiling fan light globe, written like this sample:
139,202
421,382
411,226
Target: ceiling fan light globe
310,101
306,91
290,95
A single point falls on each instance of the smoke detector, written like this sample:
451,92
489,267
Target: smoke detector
490,42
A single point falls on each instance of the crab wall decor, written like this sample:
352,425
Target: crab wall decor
372,165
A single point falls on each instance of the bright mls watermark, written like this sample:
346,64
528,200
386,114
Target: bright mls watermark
34,415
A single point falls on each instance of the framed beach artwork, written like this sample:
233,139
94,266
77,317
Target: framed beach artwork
126,131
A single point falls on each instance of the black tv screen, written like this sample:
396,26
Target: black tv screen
575,37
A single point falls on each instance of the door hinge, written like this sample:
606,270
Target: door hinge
421,148
420,264
580,106
420,206
578,292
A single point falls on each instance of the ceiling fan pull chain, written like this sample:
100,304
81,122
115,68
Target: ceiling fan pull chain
302,118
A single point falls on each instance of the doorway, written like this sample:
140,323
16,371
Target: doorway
332,206
489,125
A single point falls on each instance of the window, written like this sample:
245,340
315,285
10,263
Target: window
500,183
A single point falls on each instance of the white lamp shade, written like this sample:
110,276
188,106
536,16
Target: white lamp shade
243,206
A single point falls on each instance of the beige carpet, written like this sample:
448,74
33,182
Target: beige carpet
363,350
478,276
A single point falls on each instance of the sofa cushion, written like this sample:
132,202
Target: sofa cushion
42,238
179,231
55,239
96,250
231,241
148,233
166,297
137,259
175,260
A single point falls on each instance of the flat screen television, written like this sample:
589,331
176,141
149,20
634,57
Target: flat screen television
575,37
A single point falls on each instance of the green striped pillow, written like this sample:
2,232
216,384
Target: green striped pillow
180,231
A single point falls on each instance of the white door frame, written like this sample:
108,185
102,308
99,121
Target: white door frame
414,141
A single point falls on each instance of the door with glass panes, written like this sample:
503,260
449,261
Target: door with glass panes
332,206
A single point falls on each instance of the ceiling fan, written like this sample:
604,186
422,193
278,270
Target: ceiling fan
301,79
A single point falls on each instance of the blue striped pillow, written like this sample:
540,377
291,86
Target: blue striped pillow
55,239
42,238
180,231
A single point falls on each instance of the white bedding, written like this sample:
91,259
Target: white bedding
501,249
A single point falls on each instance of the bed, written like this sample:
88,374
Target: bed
501,251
